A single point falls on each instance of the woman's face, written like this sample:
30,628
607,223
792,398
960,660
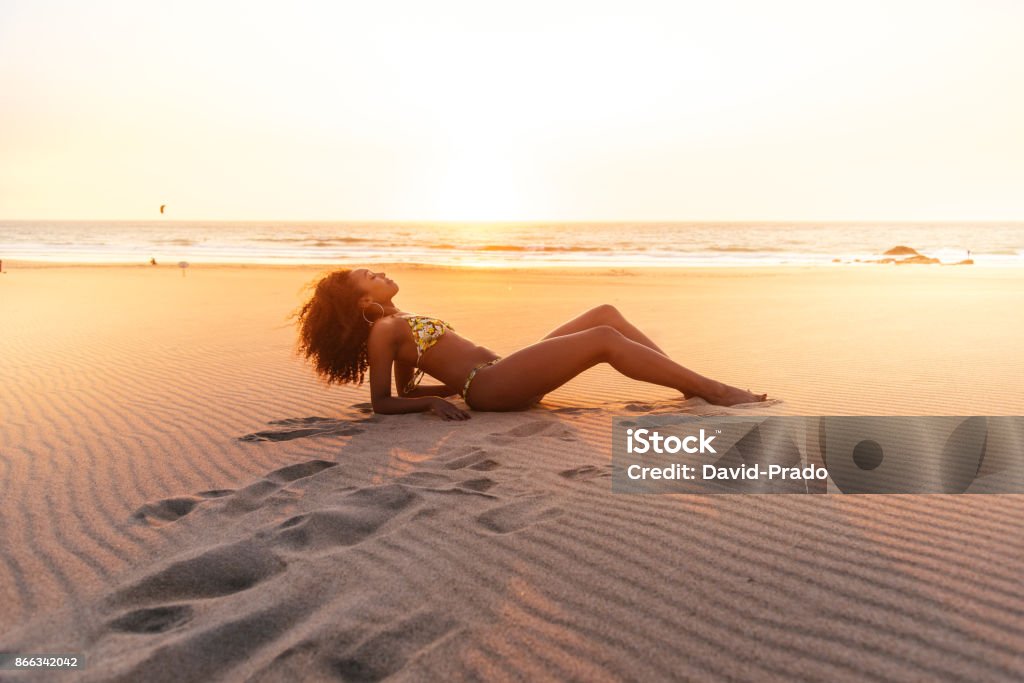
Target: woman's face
375,285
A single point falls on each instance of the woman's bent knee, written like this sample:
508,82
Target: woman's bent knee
604,332
606,339
606,313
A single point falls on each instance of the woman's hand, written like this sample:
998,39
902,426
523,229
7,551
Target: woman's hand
447,411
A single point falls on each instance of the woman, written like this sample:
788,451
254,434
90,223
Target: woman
351,324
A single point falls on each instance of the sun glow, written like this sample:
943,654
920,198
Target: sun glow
478,189
455,110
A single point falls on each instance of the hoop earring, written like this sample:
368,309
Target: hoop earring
370,322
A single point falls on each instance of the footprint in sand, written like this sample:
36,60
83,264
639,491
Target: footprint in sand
546,428
165,511
518,514
585,472
360,515
152,620
471,458
389,650
299,427
250,497
349,655
424,479
212,652
222,570
480,485
290,473
485,465
215,493
244,500
443,483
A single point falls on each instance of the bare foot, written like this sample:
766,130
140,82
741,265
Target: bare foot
731,396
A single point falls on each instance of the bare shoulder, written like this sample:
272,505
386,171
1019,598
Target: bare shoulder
384,333
384,328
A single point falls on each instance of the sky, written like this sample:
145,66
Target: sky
468,110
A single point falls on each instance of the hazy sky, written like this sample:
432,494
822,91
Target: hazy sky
467,110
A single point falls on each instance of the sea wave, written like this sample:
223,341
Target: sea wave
313,241
542,244
738,249
178,242
540,248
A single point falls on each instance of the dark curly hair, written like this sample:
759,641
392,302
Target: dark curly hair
332,330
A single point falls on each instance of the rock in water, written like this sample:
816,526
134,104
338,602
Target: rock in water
901,251
917,259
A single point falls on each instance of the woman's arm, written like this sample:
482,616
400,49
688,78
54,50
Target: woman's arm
403,376
431,390
381,350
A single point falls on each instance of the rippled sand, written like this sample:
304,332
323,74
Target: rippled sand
182,500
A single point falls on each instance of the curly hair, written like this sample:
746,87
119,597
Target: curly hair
332,330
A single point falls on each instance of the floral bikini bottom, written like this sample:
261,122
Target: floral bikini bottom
472,374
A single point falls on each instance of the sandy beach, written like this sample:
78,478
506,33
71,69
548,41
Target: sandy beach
184,500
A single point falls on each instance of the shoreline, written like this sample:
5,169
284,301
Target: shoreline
543,267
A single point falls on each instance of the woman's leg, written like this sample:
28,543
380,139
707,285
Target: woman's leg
605,314
518,379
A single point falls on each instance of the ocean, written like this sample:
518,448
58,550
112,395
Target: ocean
619,244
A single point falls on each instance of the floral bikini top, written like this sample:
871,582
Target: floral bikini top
426,331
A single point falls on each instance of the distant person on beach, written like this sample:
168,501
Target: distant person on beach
351,324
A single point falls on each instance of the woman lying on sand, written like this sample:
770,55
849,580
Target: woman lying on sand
350,324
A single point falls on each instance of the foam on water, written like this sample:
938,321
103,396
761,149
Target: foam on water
504,244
